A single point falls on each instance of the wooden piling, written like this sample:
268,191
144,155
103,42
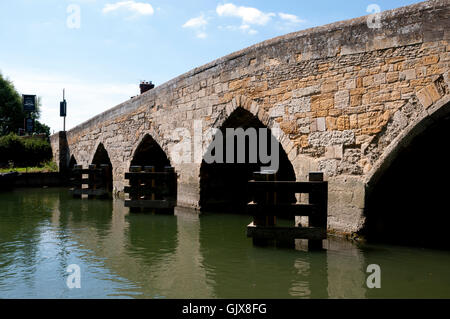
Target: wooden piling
76,180
319,198
97,181
135,183
264,208
151,190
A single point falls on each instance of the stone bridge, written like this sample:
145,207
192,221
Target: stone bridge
348,99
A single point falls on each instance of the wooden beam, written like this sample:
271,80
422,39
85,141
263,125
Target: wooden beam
148,175
150,203
281,210
274,186
285,233
146,190
87,191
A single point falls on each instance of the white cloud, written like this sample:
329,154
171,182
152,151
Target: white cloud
248,15
139,8
199,25
291,18
196,22
246,28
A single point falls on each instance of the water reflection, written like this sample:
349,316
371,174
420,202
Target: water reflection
185,256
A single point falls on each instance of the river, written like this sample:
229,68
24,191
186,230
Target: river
123,255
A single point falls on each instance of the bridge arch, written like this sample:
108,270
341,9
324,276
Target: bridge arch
243,102
405,193
223,185
148,152
101,157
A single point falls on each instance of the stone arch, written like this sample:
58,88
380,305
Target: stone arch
101,157
148,152
404,201
156,136
223,185
242,101
99,143
437,111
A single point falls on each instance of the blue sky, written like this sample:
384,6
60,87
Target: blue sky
99,50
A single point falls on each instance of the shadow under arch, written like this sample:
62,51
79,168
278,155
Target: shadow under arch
150,153
406,198
101,157
72,162
223,186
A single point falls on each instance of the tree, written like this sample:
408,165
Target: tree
41,128
11,112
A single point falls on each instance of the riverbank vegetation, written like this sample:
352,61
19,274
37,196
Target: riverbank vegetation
46,167
22,152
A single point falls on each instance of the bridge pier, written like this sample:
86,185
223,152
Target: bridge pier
60,150
188,185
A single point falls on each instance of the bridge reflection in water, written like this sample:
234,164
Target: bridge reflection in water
183,256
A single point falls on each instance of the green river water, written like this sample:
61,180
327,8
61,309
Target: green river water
123,255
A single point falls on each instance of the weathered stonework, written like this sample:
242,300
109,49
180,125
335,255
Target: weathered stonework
345,97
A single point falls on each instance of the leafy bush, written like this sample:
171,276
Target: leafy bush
24,152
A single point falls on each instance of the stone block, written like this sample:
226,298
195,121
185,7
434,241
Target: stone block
433,92
321,124
331,138
424,98
334,152
392,77
342,99
408,75
307,91
431,59
277,111
300,105
329,86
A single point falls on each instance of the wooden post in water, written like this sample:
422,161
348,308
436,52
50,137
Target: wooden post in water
265,199
170,184
92,179
149,185
318,197
106,180
77,177
135,185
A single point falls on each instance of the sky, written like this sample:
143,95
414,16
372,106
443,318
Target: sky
100,50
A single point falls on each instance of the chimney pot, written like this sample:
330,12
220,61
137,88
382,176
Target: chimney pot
146,86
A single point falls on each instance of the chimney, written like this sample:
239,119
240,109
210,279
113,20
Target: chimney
146,86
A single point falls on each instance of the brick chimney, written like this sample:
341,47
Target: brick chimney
146,86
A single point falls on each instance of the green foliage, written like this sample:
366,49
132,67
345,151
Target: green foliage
11,112
24,151
41,128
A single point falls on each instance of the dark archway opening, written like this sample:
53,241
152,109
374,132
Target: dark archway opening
101,157
72,162
149,153
223,186
409,205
